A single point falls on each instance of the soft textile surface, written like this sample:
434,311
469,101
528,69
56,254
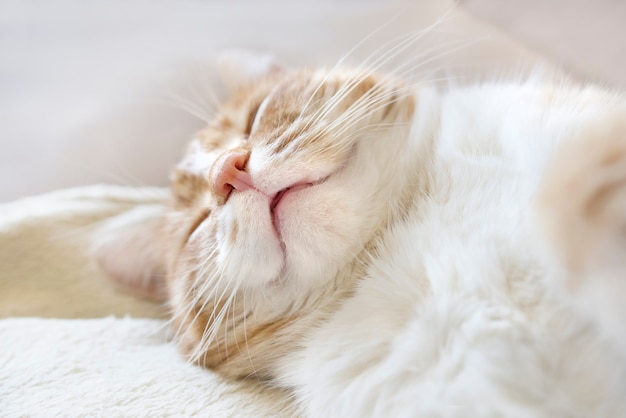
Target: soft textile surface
113,366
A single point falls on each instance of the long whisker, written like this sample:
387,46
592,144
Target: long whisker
188,106
356,111
344,57
245,336
371,67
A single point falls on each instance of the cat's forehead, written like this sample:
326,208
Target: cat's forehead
277,102
306,91
301,92
276,108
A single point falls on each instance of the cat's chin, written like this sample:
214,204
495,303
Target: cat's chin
249,252
277,235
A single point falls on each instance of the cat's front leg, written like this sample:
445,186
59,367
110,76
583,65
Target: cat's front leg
581,211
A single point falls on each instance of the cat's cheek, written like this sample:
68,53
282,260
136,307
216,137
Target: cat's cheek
319,228
249,253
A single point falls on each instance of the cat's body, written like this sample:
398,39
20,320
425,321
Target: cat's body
457,314
378,249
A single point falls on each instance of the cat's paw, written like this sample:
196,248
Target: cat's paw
128,249
581,211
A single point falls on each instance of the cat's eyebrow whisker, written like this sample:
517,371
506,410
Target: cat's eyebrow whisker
371,103
338,96
407,40
454,46
338,65
345,56
401,43
334,99
338,127
360,105
342,93
365,101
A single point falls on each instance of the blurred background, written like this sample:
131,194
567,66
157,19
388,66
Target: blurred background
110,91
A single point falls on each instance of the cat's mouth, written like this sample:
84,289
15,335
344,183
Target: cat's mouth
276,201
279,197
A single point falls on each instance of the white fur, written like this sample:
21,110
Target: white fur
457,315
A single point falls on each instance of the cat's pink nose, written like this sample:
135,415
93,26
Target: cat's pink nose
228,173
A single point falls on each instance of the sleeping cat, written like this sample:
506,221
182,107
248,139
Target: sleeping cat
385,248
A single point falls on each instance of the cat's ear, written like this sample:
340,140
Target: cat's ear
130,249
240,68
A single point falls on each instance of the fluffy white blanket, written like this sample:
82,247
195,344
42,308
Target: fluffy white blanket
112,366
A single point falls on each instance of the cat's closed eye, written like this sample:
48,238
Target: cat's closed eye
254,110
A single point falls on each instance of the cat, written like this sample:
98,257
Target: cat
386,248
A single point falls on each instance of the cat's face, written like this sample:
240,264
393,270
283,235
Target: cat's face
283,190
296,141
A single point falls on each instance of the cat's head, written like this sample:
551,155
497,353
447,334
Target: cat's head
275,202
